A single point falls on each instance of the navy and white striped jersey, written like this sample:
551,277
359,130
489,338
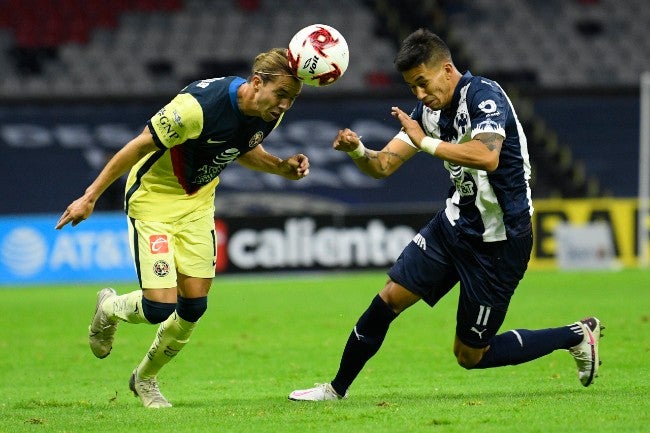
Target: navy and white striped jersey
491,206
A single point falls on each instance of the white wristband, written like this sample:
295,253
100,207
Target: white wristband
430,144
358,152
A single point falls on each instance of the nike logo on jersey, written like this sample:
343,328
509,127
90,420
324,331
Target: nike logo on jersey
211,141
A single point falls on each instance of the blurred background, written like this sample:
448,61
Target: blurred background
79,78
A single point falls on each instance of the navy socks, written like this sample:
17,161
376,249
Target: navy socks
510,348
364,341
522,345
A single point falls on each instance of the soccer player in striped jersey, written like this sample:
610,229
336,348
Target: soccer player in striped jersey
483,237
174,166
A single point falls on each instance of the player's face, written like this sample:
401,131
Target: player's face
431,84
276,96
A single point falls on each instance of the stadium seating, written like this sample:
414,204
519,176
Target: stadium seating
152,48
556,43
145,47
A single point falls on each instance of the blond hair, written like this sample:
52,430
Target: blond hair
271,64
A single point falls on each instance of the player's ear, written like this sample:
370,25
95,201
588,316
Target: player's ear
257,82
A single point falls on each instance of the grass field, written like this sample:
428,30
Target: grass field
263,337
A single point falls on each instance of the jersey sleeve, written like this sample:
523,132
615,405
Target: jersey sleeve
178,121
488,110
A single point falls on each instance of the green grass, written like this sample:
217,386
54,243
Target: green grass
263,337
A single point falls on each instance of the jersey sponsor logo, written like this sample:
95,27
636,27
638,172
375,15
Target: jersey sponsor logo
226,157
165,125
158,244
488,106
161,268
465,188
208,172
256,139
420,241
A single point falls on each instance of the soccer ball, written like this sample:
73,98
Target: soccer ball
318,55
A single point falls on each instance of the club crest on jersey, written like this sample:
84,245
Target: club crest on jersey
256,139
461,122
161,268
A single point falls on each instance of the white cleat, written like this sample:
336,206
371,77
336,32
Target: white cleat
101,331
586,353
321,392
148,392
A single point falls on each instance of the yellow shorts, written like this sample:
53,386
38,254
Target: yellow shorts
160,250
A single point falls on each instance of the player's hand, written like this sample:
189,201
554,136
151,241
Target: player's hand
409,125
79,210
346,140
295,167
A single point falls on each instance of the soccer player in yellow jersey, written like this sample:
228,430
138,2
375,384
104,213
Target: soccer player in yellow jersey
174,170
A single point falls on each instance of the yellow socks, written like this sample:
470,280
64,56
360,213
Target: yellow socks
127,307
171,337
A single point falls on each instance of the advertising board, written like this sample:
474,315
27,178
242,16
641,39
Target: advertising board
97,250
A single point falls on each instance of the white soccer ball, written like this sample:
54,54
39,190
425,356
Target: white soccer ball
318,55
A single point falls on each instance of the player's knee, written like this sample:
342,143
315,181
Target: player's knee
467,362
468,358
191,309
157,312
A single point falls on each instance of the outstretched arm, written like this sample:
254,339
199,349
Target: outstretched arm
127,157
295,167
375,163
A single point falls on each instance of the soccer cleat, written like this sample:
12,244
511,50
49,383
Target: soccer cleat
586,353
321,392
148,391
102,329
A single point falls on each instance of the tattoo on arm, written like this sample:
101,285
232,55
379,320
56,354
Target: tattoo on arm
385,158
492,141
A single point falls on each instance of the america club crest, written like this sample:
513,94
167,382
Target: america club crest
256,139
161,268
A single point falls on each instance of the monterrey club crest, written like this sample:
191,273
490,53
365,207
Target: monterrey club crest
161,268
256,139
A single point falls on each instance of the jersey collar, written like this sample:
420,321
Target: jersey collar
232,92
467,76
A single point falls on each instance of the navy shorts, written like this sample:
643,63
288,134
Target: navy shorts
488,272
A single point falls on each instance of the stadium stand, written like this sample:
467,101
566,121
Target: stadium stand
152,48
143,47
148,47
556,43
